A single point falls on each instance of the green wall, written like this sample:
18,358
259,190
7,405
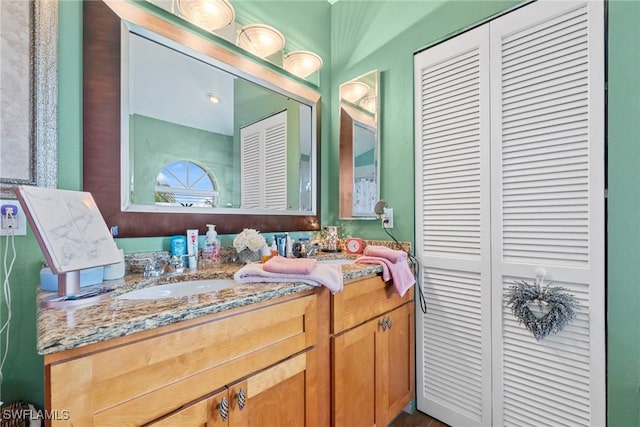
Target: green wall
354,37
623,224
158,143
383,35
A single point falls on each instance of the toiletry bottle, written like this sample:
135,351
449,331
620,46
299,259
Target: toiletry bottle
274,248
281,244
266,254
192,249
178,246
211,249
289,245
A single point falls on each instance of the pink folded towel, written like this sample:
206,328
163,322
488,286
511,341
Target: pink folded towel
385,252
399,272
327,275
279,264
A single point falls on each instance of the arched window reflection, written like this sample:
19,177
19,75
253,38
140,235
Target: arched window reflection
184,183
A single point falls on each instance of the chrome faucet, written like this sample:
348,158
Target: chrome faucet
177,264
150,269
156,268
313,247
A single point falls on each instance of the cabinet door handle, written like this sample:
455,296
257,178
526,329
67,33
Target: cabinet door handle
383,324
389,322
223,408
242,398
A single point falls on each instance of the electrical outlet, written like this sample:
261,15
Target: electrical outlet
387,218
16,226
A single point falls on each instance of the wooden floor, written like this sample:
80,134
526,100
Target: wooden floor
417,419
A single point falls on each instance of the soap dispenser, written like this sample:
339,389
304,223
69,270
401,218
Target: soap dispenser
211,249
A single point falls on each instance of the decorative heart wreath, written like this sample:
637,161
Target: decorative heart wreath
542,310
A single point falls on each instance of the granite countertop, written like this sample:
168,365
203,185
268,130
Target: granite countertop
64,329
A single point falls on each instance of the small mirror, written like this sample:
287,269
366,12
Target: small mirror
360,146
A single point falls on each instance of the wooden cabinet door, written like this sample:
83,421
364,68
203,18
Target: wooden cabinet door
353,376
373,370
394,363
204,413
276,396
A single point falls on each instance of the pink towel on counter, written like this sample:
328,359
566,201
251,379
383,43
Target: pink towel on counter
392,255
279,264
399,272
327,275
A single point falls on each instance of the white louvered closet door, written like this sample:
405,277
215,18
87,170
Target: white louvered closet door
264,163
252,167
506,183
276,162
453,361
547,185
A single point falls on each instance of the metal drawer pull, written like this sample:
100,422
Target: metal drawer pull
223,408
383,324
389,322
242,398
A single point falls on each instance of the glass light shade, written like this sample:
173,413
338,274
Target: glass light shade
261,40
369,103
302,63
209,14
353,91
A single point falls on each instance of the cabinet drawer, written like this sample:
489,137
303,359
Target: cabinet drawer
162,373
362,300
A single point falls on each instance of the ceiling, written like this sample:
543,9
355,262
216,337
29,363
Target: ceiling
186,81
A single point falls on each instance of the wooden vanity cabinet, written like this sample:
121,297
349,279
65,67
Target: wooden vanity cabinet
372,348
275,396
177,375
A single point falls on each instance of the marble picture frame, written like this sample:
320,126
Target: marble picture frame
29,110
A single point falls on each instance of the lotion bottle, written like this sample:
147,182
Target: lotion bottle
192,249
289,246
211,249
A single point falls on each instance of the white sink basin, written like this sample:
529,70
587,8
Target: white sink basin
337,261
180,289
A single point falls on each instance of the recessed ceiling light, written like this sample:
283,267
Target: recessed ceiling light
212,98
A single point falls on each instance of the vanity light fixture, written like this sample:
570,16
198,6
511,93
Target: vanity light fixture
260,39
211,15
213,98
369,103
302,63
354,91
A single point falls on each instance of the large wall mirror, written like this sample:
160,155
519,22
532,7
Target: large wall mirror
360,146
180,131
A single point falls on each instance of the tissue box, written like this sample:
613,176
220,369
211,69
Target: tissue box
88,277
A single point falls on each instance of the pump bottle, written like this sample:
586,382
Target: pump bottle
211,249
